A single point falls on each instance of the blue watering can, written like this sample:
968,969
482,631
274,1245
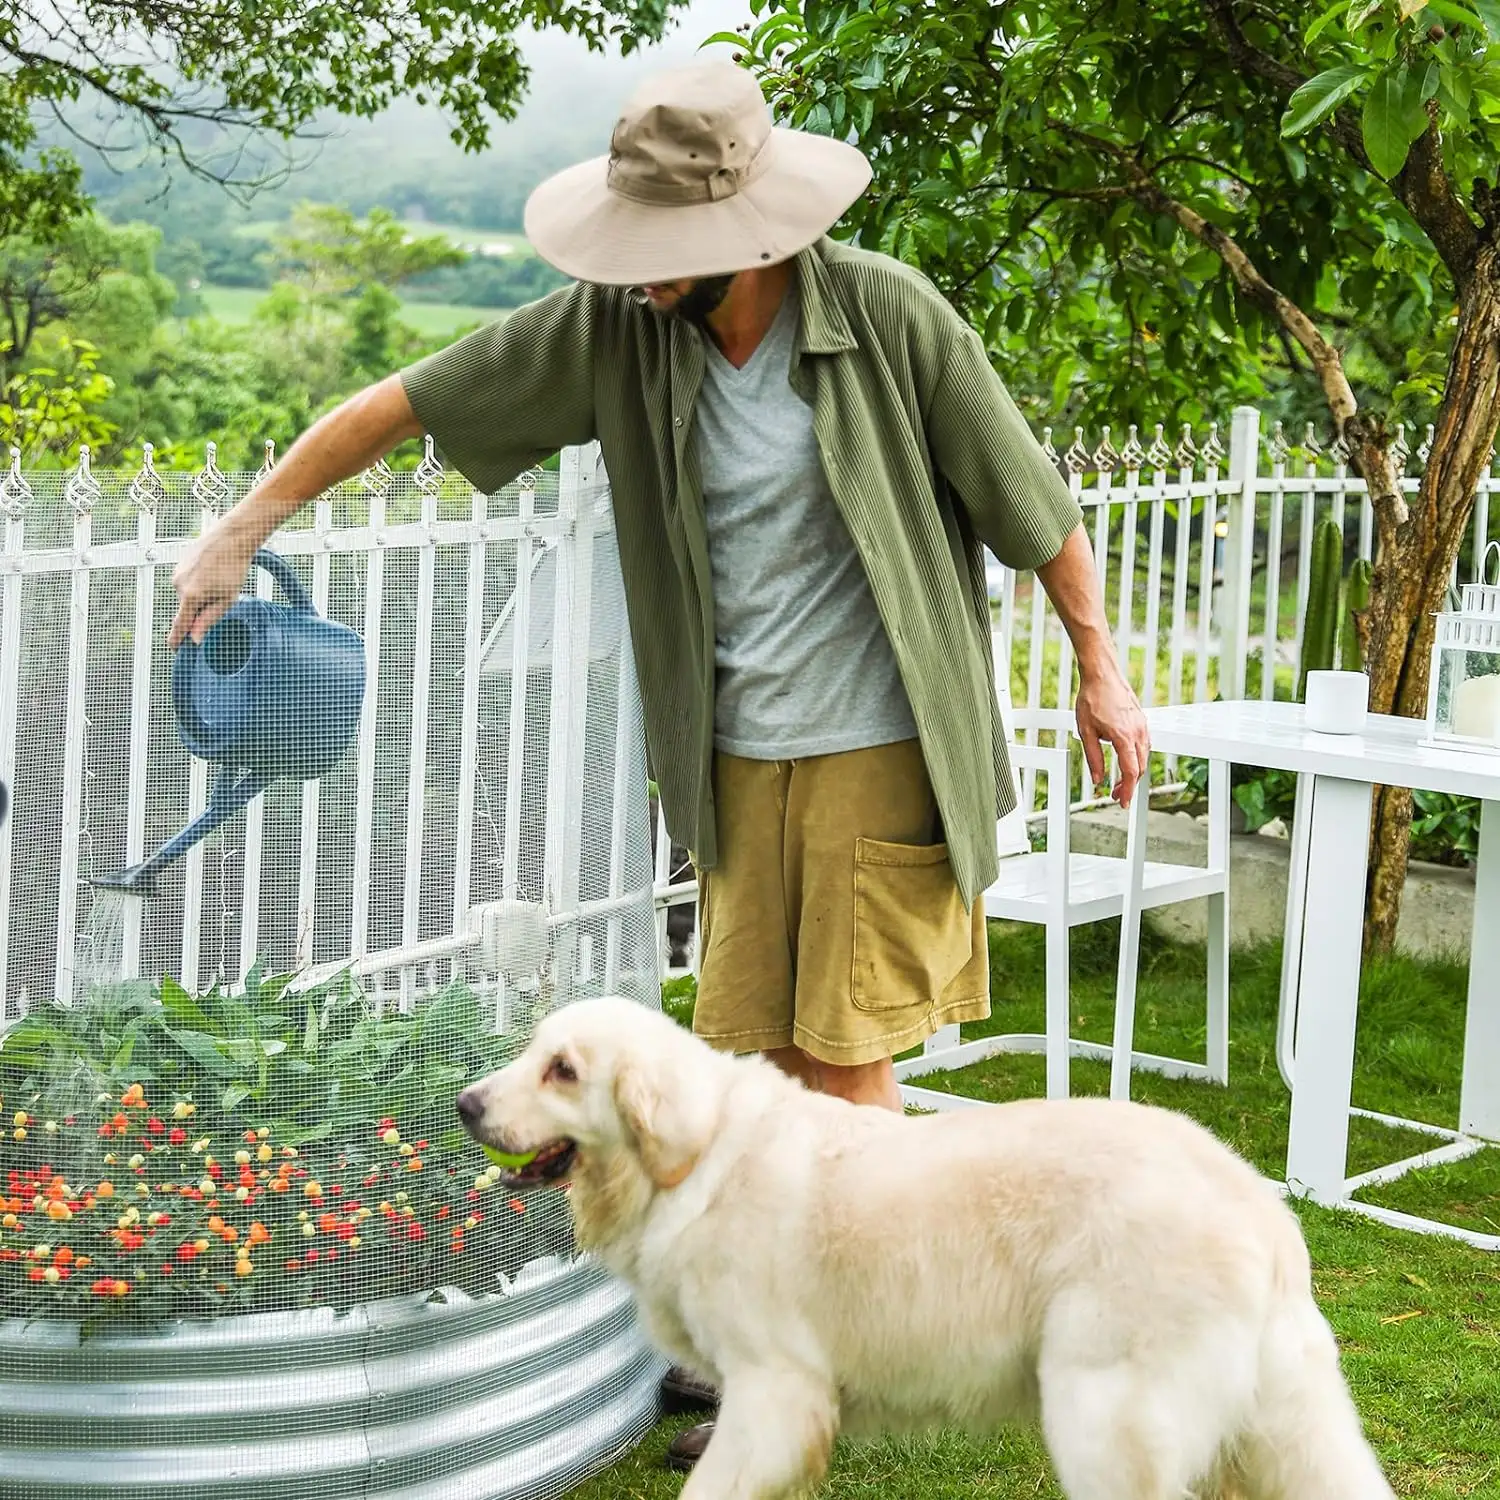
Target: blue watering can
274,690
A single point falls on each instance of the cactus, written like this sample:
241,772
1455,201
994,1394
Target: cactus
1330,638
1320,635
1356,601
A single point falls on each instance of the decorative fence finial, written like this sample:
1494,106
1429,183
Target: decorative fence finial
1077,457
146,490
1278,446
1131,453
15,493
83,492
1400,449
1158,455
1187,450
1311,447
210,484
1048,451
268,463
429,474
1106,460
1339,450
1424,448
378,478
1213,449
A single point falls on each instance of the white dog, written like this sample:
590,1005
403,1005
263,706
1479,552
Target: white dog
1108,1270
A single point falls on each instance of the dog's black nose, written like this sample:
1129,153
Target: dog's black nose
469,1107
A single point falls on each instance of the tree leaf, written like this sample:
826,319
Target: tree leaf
1323,22
1489,13
1393,119
1320,96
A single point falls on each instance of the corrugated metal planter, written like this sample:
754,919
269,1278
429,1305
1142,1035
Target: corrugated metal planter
512,1397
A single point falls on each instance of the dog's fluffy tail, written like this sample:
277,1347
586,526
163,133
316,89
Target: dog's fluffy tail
1305,1439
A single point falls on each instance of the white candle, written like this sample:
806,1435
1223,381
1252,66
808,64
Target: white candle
1476,708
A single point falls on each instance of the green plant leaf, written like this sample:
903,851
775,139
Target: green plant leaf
234,1096
181,1007
205,1052
1393,119
1320,96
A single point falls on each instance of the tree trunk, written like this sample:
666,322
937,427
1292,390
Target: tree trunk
1415,559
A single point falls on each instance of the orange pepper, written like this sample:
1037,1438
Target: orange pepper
105,1190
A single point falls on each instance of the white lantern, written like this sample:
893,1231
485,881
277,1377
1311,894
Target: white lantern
1463,694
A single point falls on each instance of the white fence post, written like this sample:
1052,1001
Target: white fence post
1239,551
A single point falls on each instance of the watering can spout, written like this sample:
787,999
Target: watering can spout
138,880
232,791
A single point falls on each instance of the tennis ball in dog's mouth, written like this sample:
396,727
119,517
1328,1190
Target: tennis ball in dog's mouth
513,1160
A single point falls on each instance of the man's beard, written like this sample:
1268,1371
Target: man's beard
701,299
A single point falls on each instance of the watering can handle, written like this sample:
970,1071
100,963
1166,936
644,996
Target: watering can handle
285,575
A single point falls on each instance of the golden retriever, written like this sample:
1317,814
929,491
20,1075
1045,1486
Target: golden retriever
1109,1271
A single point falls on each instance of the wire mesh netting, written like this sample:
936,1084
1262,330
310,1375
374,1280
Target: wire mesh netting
243,1240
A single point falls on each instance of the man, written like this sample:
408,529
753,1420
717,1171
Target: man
807,448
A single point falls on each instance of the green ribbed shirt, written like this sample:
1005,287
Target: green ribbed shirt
925,453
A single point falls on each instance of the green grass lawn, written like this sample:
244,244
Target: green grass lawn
1418,1317
235,304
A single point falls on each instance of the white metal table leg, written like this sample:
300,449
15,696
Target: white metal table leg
1327,994
1130,943
1292,931
1218,924
1479,1100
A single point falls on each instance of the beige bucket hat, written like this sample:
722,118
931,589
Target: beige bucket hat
698,182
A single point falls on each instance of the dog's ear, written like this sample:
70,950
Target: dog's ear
667,1115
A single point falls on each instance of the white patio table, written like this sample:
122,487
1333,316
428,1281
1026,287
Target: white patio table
1325,909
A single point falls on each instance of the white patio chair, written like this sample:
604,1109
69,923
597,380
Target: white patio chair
1059,890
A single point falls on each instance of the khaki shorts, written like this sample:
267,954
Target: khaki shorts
832,920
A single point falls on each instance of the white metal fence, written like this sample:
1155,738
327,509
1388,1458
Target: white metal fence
1203,551
499,756
1204,557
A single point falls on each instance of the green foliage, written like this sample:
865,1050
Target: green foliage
260,1121
1445,828
332,253
1045,169
48,410
1262,793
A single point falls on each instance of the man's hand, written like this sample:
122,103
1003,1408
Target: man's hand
1108,709
208,580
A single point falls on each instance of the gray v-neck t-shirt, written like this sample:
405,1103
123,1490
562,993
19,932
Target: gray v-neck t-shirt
804,665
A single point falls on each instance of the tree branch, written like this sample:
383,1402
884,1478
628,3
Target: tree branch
1327,363
1285,79
1422,185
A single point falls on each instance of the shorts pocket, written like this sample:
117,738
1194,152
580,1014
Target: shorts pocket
912,935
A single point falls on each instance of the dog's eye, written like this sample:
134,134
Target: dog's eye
560,1070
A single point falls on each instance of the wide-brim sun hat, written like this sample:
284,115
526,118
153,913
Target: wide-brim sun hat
697,182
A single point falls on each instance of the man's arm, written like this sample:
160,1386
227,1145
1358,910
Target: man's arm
1023,511
1107,708
336,447
499,400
